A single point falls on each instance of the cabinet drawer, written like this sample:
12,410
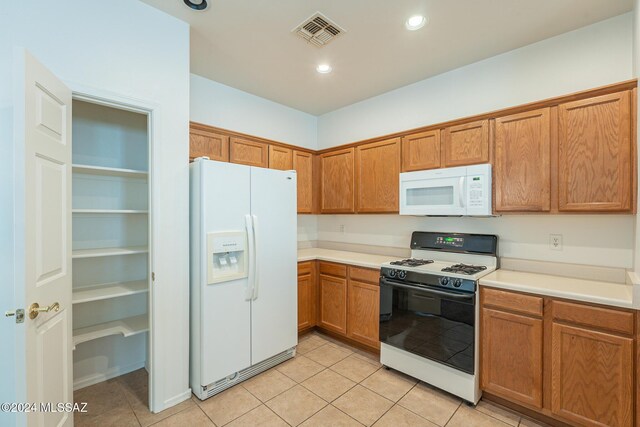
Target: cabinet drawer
512,301
597,317
304,268
332,269
366,275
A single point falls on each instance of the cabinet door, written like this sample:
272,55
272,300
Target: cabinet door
247,152
337,192
306,302
594,154
512,356
378,176
364,313
203,142
466,144
421,151
303,165
280,158
333,303
522,166
592,377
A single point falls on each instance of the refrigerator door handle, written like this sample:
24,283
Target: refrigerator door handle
248,219
256,258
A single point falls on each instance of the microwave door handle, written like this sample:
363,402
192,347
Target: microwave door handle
461,192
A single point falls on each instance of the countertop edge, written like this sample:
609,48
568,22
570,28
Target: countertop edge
558,294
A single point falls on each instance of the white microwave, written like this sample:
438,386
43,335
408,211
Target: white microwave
459,191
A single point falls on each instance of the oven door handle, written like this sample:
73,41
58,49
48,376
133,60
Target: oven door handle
451,295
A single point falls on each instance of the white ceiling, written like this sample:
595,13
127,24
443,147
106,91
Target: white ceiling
248,44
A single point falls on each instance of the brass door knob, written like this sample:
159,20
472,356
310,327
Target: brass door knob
35,309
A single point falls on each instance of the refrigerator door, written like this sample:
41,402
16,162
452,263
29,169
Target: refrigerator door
225,328
274,315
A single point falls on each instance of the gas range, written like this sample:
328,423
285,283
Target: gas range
428,310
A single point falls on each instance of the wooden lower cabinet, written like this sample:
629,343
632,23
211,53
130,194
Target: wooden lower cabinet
512,356
363,313
307,295
333,303
576,362
346,298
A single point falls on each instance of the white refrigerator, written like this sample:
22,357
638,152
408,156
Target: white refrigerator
243,272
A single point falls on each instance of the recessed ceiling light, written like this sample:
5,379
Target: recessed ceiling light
324,68
415,22
196,4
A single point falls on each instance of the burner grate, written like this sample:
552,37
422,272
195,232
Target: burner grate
412,262
469,270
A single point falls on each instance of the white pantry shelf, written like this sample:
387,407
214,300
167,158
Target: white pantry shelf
109,211
108,290
101,252
106,171
125,327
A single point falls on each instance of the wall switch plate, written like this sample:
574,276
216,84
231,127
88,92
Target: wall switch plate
341,228
555,242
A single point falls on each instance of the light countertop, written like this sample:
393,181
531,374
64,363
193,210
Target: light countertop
344,257
606,293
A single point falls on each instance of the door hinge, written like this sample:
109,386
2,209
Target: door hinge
18,313
153,276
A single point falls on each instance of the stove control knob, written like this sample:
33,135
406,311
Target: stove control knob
457,283
402,274
392,273
444,281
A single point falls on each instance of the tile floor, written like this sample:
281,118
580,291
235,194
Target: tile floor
327,384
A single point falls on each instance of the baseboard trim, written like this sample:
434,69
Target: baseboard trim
116,371
185,395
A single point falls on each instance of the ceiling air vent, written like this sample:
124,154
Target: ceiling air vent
318,30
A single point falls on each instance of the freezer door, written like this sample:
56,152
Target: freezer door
225,328
275,297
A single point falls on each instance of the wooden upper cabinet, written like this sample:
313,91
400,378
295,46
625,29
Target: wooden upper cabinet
248,152
378,176
512,356
280,158
203,142
595,154
303,165
466,144
522,168
592,376
338,181
421,151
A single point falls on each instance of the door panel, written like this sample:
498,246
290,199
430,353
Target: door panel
466,144
247,152
512,356
274,308
203,142
226,313
306,302
594,154
522,168
280,158
337,194
333,303
421,151
378,176
364,313
591,377
303,165
43,109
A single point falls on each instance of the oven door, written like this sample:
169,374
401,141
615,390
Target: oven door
431,323
425,193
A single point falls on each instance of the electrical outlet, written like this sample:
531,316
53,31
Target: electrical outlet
555,242
342,228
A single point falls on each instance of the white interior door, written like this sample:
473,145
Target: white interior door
43,128
274,309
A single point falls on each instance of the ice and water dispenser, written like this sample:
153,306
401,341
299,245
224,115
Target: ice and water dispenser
226,256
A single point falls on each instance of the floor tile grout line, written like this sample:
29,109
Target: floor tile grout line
453,414
332,405
394,403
